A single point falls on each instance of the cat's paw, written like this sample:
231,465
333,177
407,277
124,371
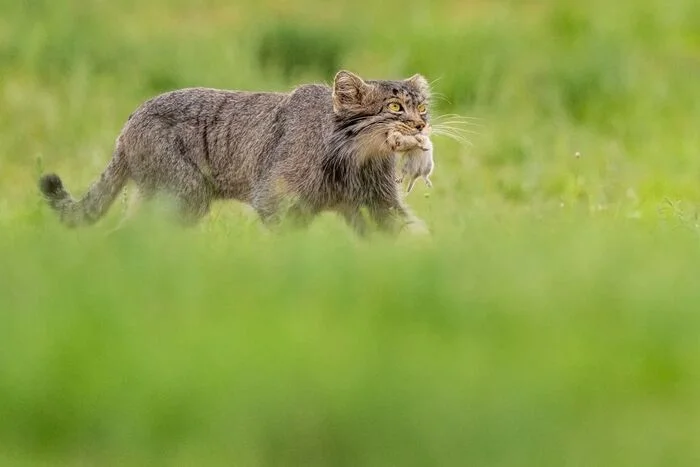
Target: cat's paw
417,228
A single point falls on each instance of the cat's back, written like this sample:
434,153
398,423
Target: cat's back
308,111
312,97
205,103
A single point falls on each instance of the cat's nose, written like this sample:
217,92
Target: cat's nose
420,126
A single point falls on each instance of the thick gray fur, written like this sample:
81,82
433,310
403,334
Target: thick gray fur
313,149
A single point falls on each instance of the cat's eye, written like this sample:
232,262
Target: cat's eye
395,107
422,108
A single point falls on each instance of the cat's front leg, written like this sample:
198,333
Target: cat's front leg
397,218
413,224
355,219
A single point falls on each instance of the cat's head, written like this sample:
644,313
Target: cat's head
374,108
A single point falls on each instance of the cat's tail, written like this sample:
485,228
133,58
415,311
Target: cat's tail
95,203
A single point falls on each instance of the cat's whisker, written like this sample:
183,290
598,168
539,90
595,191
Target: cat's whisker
457,122
458,116
464,125
435,80
452,131
459,127
461,142
459,138
455,137
441,97
457,130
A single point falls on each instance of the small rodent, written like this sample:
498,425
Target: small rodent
417,163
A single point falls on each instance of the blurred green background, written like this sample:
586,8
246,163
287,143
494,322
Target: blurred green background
550,320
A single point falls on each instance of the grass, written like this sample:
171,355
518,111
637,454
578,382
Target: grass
551,319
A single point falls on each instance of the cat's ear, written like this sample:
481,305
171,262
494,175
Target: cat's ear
420,83
348,90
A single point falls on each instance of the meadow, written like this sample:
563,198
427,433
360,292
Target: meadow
551,319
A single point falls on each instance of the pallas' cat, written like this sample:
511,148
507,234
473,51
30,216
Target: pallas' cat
313,149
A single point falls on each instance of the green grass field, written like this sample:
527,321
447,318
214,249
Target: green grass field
552,318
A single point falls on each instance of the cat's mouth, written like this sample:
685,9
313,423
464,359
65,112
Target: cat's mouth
412,131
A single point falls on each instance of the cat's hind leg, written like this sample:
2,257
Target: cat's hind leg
184,187
130,206
275,215
268,206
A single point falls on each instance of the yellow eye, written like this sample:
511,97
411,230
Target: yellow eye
395,107
422,108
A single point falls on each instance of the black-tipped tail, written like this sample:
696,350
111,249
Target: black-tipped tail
51,187
94,203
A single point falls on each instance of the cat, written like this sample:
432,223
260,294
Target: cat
417,163
316,148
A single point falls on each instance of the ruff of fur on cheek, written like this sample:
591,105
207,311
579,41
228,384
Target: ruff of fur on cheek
357,160
370,144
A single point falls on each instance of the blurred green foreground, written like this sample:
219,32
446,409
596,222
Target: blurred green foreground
552,319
